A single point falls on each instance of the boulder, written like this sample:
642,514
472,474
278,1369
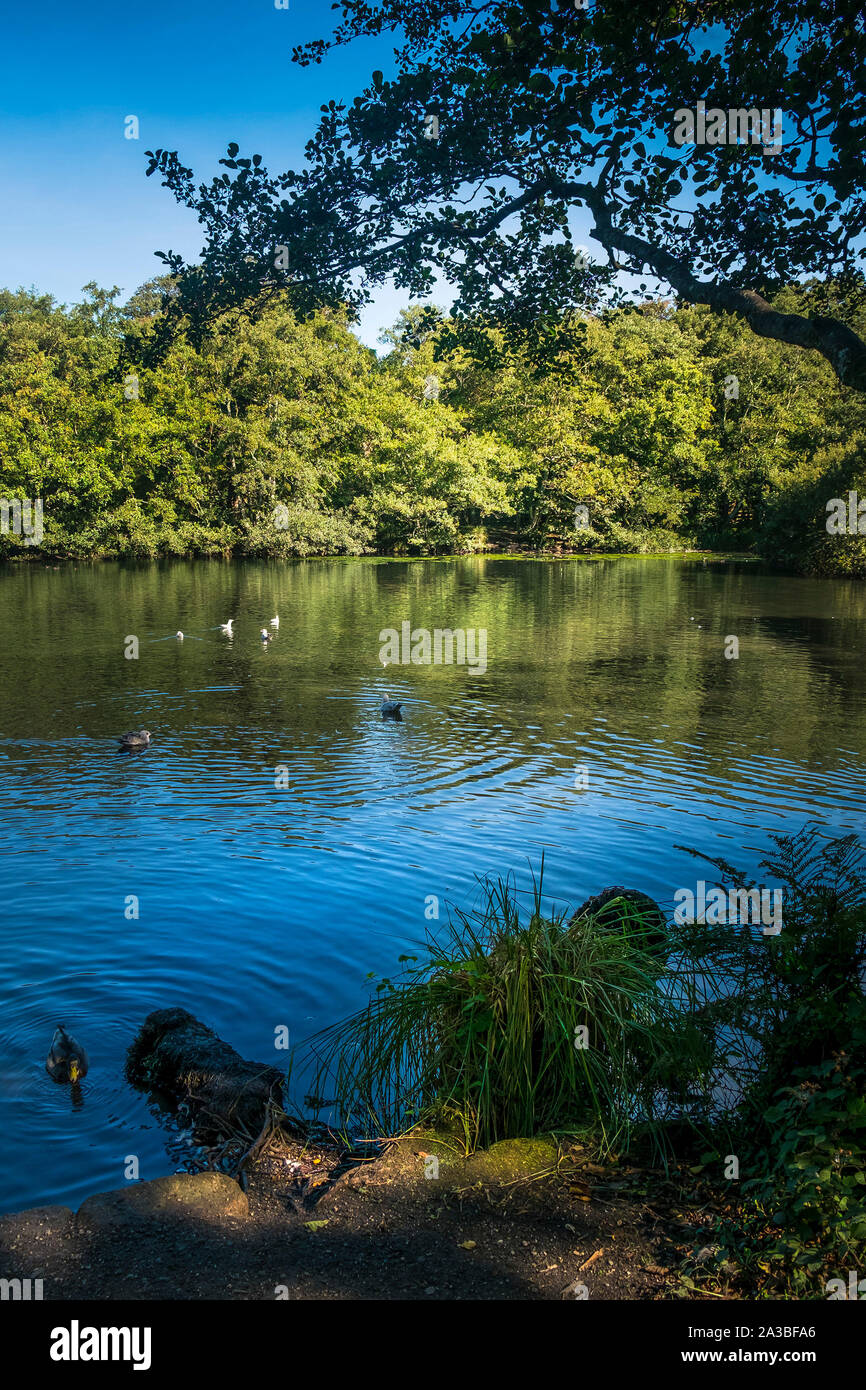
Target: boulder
603,910
426,1163
209,1197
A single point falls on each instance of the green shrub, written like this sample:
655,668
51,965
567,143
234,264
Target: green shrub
488,1030
789,1017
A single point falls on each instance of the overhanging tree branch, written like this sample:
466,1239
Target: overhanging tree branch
839,344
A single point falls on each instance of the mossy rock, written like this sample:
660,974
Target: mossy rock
208,1197
407,1164
606,911
510,1160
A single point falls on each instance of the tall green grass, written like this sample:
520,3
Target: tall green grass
487,1030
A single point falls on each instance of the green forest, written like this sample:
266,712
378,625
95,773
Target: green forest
663,428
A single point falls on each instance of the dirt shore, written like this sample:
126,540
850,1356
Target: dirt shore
524,1220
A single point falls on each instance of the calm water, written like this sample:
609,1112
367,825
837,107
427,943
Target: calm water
261,907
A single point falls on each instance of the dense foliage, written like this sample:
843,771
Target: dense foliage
716,146
789,1015
671,428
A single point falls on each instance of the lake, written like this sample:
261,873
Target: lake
608,728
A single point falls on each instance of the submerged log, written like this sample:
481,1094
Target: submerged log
175,1053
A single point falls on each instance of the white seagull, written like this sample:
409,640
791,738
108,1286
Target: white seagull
275,621
227,627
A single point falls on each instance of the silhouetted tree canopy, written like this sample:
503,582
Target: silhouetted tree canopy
502,120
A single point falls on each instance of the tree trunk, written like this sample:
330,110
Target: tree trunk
175,1053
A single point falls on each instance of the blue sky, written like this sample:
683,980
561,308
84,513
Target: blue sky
76,203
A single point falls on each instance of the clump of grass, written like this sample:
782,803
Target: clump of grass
515,1025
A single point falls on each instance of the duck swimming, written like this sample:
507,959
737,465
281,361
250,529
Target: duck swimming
227,627
67,1060
275,621
135,739
179,636
391,708
265,635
